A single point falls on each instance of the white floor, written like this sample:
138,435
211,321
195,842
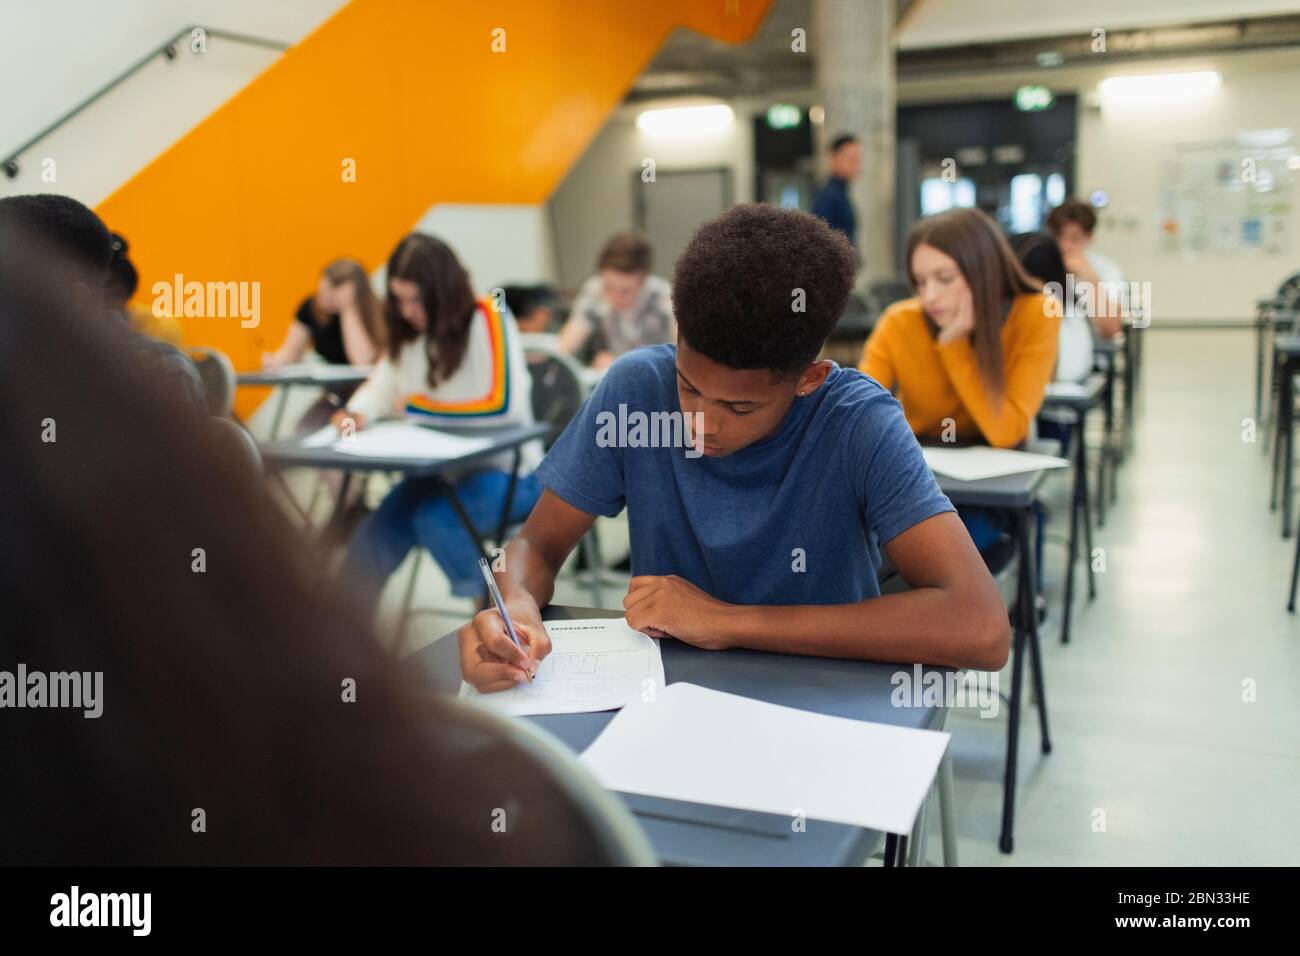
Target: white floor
1157,758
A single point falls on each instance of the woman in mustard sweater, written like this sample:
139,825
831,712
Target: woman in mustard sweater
970,357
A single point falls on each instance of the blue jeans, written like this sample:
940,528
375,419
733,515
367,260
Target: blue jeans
419,513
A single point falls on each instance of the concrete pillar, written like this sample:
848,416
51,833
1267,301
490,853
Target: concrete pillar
853,43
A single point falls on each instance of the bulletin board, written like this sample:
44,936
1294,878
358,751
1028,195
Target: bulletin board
1231,195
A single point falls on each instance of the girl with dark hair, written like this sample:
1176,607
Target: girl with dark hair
343,323
970,357
1041,257
452,360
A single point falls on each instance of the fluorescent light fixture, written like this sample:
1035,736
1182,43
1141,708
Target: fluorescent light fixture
686,120
1160,86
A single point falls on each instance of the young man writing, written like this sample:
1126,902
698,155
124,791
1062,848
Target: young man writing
771,538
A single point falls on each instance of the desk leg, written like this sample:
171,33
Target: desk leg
1295,576
510,497
1108,456
279,412
1260,321
1025,623
1130,386
902,850
1031,623
468,525
1072,560
891,849
1285,415
1085,502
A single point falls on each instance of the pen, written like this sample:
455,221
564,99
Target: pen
501,606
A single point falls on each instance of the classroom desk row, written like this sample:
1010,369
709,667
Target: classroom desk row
694,834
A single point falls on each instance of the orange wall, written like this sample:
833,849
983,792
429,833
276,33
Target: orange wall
411,90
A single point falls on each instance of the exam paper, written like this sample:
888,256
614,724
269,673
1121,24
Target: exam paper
405,440
980,461
594,664
705,746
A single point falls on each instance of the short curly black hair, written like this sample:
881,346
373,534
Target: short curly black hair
761,287
64,224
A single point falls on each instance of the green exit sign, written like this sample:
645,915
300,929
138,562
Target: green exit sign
1031,99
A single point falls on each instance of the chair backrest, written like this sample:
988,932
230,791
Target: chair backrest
558,392
618,838
237,438
218,375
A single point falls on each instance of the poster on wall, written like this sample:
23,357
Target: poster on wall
1233,194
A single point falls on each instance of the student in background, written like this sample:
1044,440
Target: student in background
454,360
533,306
1071,225
971,355
1042,260
622,307
123,280
72,244
223,691
765,530
832,202
343,322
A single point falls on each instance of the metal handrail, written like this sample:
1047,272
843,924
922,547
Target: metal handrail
168,49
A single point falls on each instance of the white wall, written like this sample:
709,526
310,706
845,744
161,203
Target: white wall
595,200
55,53
935,23
499,245
1124,151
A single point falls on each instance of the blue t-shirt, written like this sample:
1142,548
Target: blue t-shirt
796,518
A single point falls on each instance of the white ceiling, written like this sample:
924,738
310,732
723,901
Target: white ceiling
935,23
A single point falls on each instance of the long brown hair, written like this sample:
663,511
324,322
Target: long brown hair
133,544
340,272
447,297
990,268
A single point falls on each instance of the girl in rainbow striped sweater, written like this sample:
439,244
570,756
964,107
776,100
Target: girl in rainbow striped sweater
452,360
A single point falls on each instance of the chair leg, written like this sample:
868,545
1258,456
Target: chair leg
1295,575
947,811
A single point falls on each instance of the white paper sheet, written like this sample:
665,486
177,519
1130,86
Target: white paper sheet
979,461
1067,390
404,440
594,664
321,438
705,746
320,371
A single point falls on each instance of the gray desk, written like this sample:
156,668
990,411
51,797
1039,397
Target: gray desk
291,453
1015,493
696,834
285,378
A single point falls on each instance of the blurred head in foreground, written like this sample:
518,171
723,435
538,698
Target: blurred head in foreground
133,544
